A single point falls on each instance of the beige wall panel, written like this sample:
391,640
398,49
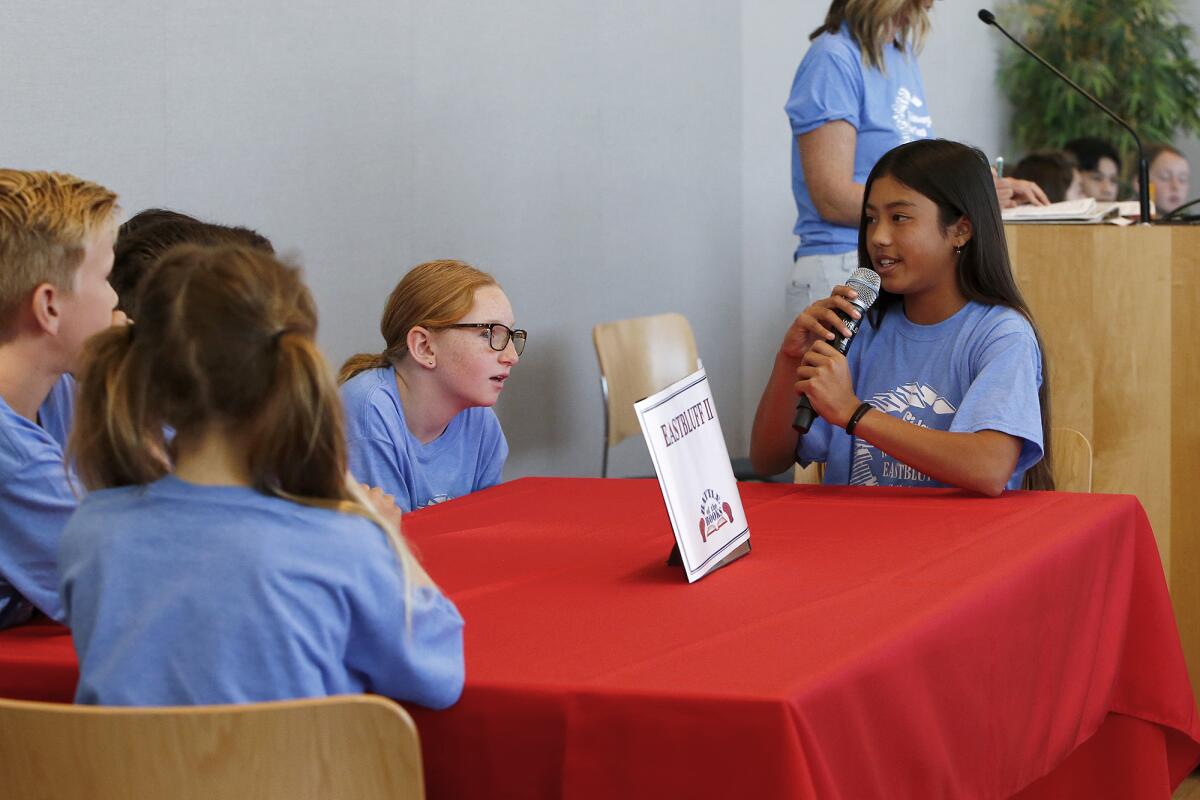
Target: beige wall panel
1130,328
1117,308
1185,437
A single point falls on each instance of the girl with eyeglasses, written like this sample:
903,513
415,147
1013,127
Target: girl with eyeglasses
419,421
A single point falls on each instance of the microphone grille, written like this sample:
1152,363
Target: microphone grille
866,283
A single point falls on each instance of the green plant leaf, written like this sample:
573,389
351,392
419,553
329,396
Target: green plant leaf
1132,55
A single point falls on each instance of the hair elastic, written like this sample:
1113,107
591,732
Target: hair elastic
279,334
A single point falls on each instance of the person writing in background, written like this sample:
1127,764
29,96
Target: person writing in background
1169,178
856,94
1055,172
1099,167
949,362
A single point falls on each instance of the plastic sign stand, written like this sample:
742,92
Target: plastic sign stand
689,454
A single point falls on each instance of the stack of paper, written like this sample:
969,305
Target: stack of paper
1132,208
1086,210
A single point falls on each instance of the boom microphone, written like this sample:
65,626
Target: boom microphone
1143,168
866,283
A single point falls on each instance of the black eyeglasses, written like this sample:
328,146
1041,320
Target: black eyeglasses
498,334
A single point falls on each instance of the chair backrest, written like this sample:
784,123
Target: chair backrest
358,746
814,473
639,357
1071,453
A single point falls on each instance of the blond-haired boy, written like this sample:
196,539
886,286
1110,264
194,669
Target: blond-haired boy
56,251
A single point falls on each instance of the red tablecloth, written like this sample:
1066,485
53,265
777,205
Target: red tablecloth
876,643
37,662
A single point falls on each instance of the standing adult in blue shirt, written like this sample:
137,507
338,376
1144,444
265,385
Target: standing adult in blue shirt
240,563
857,94
56,252
418,415
945,384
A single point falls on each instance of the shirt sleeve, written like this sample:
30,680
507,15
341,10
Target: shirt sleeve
1004,394
493,452
375,462
35,503
422,663
828,87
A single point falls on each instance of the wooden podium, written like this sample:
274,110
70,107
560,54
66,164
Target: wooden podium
1119,312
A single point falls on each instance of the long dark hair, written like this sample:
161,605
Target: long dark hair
957,179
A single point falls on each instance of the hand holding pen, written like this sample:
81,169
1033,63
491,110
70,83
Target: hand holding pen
1013,192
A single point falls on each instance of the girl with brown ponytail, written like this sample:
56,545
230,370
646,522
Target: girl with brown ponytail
237,562
419,421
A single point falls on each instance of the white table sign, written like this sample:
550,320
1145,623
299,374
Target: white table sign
688,449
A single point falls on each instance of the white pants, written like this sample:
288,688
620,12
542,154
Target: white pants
813,279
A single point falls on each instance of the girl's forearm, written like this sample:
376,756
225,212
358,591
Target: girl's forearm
772,440
827,158
981,462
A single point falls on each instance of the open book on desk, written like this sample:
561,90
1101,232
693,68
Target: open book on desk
1085,211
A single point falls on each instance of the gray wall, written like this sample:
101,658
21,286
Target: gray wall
605,160
586,153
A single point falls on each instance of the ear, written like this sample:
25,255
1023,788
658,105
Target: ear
961,231
46,308
421,347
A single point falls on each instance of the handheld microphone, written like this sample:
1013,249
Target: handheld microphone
1143,168
866,283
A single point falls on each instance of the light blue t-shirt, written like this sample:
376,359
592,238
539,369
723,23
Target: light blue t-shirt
978,370
467,457
36,498
886,108
179,594
58,410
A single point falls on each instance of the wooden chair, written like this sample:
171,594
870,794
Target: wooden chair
639,357
354,746
1071,460
814,473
